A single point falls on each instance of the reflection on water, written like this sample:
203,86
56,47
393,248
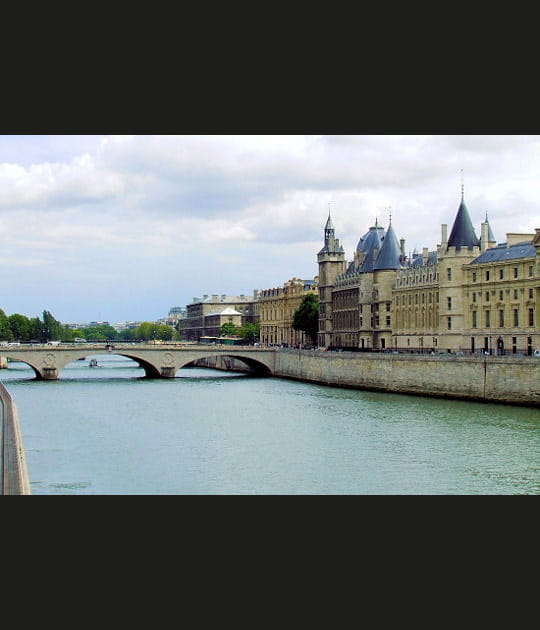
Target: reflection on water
108,430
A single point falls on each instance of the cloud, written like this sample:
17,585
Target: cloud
178,215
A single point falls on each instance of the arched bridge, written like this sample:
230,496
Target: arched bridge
158,361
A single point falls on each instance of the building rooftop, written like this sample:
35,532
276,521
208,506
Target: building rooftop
503,252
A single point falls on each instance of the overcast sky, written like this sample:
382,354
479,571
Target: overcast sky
124,227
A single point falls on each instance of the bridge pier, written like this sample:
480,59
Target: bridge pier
168,372
49,373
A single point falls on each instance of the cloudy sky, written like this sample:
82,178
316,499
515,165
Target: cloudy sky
124,227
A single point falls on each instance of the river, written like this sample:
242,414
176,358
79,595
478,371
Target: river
108,431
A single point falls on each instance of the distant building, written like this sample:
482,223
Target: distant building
203,313
276,312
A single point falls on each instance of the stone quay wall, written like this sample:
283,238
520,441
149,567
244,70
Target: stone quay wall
504,379
15,478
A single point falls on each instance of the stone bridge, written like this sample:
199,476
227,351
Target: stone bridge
158,360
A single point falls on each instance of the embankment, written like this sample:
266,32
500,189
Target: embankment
14,471
507,379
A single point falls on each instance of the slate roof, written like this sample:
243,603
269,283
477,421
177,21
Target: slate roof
463,234
390,255
502,253
418,260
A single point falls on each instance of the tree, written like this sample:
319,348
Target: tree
150,331
228,329
20,327
306,317
52,328
5,329
250,332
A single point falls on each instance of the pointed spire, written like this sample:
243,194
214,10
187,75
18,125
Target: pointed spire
329,224
462,234
491,238
390,253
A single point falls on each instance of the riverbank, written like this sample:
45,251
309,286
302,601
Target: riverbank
14,470
506,379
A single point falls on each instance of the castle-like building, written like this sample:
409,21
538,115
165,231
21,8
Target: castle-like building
469,295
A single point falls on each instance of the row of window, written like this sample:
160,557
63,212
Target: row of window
499,275
501,318
501,295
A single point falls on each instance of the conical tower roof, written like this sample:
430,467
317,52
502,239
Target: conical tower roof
462,234
490,231
390,254
329,224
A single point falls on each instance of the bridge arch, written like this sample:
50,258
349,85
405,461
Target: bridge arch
219,360
34,365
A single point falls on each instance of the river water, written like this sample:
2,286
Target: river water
107,430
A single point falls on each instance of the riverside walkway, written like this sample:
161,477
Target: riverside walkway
158,360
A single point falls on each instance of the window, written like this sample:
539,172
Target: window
388,320
501,318
531,271
515,294
501,274
474,319
449,273
531,317
474,297
531,294
516,317
501,296
474,276
487,274
449,323
515,272
488,319
449,301
487,296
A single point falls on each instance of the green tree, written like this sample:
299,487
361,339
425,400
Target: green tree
306,317
52,329
36,330
101,332
250,332
228,329
5,329
20,327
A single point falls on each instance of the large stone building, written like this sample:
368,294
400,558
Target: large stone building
468,295
276,312
356,299
204,316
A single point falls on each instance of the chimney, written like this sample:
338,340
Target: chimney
484,236
444,236
425,254
402,245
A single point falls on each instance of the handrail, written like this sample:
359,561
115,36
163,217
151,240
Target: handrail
15,478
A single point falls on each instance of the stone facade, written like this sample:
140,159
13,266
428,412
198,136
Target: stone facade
276,312
203,314
469,295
